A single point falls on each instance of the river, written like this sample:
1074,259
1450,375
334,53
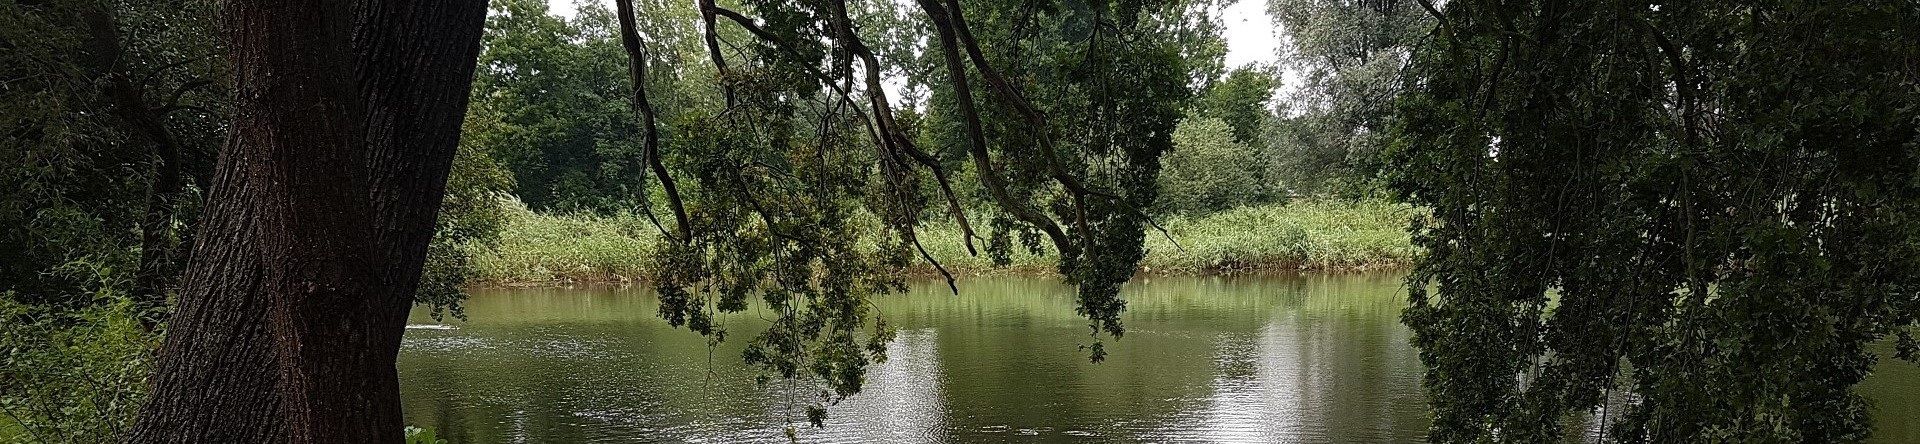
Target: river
1311,358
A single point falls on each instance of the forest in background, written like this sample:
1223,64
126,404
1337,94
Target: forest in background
1713,199
550,137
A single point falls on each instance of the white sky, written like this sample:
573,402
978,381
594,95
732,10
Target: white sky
565,7
1250,33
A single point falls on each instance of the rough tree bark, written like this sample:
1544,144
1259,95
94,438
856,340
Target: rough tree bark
346,115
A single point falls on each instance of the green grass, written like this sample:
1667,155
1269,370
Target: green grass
1301,235
536,247
1333,234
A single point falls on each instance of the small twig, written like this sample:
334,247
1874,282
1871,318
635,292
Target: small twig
1143,215
31,433
1435,12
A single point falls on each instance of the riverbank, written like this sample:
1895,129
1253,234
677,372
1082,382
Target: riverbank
1305,235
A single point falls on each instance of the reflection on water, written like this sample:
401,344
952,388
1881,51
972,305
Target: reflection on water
1318,358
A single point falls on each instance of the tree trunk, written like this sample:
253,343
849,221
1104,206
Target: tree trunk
345,120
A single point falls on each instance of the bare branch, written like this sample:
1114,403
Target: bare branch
935,262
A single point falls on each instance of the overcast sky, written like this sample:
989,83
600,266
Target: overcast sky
1250,33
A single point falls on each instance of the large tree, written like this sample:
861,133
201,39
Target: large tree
1349,55
345,119
1710,205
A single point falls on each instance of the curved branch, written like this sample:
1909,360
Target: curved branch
650,152
174,99
151,75
995,183
951,286
890,130
168,110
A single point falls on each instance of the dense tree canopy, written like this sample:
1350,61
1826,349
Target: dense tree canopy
109,115
110,123
1241,99
1708,204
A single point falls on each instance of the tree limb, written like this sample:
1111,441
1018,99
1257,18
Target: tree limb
1003,88
990,177
650,152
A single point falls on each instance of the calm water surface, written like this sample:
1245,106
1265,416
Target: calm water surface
1317,358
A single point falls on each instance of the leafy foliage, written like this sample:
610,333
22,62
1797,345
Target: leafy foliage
1349,55
1208,170
111,113
416,435
1241,101
1308,234
72,376
111,116
790,176
1713,200
471,218
547,105
1101,86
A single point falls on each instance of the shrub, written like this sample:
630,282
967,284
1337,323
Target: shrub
76,376
1207,170
1306,234
1310,234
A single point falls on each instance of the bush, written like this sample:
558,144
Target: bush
77,376
471,217
1208,170
417,435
